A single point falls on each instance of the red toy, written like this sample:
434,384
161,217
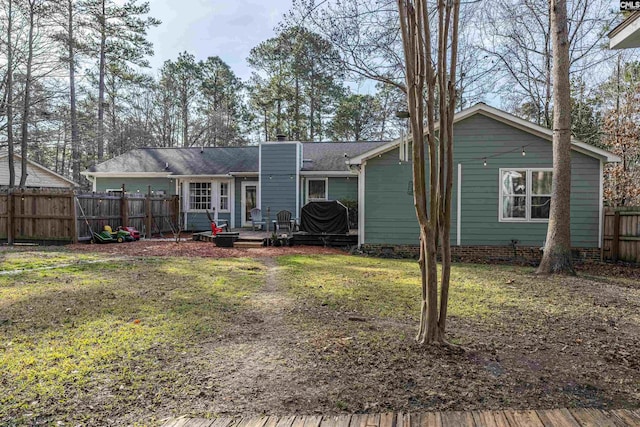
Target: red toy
135,234
215,229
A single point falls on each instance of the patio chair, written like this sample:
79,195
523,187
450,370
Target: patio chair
283,222
256,219
221,223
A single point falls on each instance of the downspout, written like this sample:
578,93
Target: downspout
361,207
459,205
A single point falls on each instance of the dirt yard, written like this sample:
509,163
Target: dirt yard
190,248
311,330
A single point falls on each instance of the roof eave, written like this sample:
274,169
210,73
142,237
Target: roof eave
128,174
503,117
327,173
626,34
39,166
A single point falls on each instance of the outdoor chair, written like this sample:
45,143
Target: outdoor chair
221,223
283,222
256,219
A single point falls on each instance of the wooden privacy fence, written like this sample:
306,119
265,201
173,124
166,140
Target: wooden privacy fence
35,215
621,237
52,215
149,213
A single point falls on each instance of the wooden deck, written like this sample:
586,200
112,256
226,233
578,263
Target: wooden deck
507,418
251,238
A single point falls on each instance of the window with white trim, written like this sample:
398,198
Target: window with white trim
224,196
525,194
317,189
199,195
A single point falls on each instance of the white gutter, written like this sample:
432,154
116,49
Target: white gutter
244,173
327,173
128,174
226,175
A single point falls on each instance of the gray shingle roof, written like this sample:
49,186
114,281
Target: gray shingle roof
324,156
183,161
330,156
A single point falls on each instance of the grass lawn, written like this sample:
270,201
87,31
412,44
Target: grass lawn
389,288
106,336
89,340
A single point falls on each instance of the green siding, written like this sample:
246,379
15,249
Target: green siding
134,185
198,221
475,138
343,188
278,177
389,213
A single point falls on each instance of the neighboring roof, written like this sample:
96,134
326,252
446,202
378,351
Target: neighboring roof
160,162
508,119
627,33
37,175
332,156
181,161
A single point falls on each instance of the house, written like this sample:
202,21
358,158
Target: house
501,191
230,181
37,175
627,33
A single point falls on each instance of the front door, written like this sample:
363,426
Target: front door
249,201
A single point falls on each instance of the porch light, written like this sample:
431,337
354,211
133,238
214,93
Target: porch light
484,160
523,152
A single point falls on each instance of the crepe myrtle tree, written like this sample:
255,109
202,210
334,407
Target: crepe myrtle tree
430,45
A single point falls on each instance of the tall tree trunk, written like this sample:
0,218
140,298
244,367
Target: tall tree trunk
312,109
101,72
557,250
26,112
432,204
446,122
64,150
296,133
12,171
75,138
185,120
548,72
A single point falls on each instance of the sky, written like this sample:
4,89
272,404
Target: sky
226,28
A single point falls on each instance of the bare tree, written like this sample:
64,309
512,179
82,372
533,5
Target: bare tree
429,73
67,37
75,137
32,6
517,37
9,94
557,250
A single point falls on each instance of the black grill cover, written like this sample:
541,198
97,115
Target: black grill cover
325,217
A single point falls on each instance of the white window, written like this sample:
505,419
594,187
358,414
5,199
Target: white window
224,196
199,195
317,189
525,194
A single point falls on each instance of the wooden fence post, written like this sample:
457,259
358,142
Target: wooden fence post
10,236
615,242
124,208
176,211
74,216
148,216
